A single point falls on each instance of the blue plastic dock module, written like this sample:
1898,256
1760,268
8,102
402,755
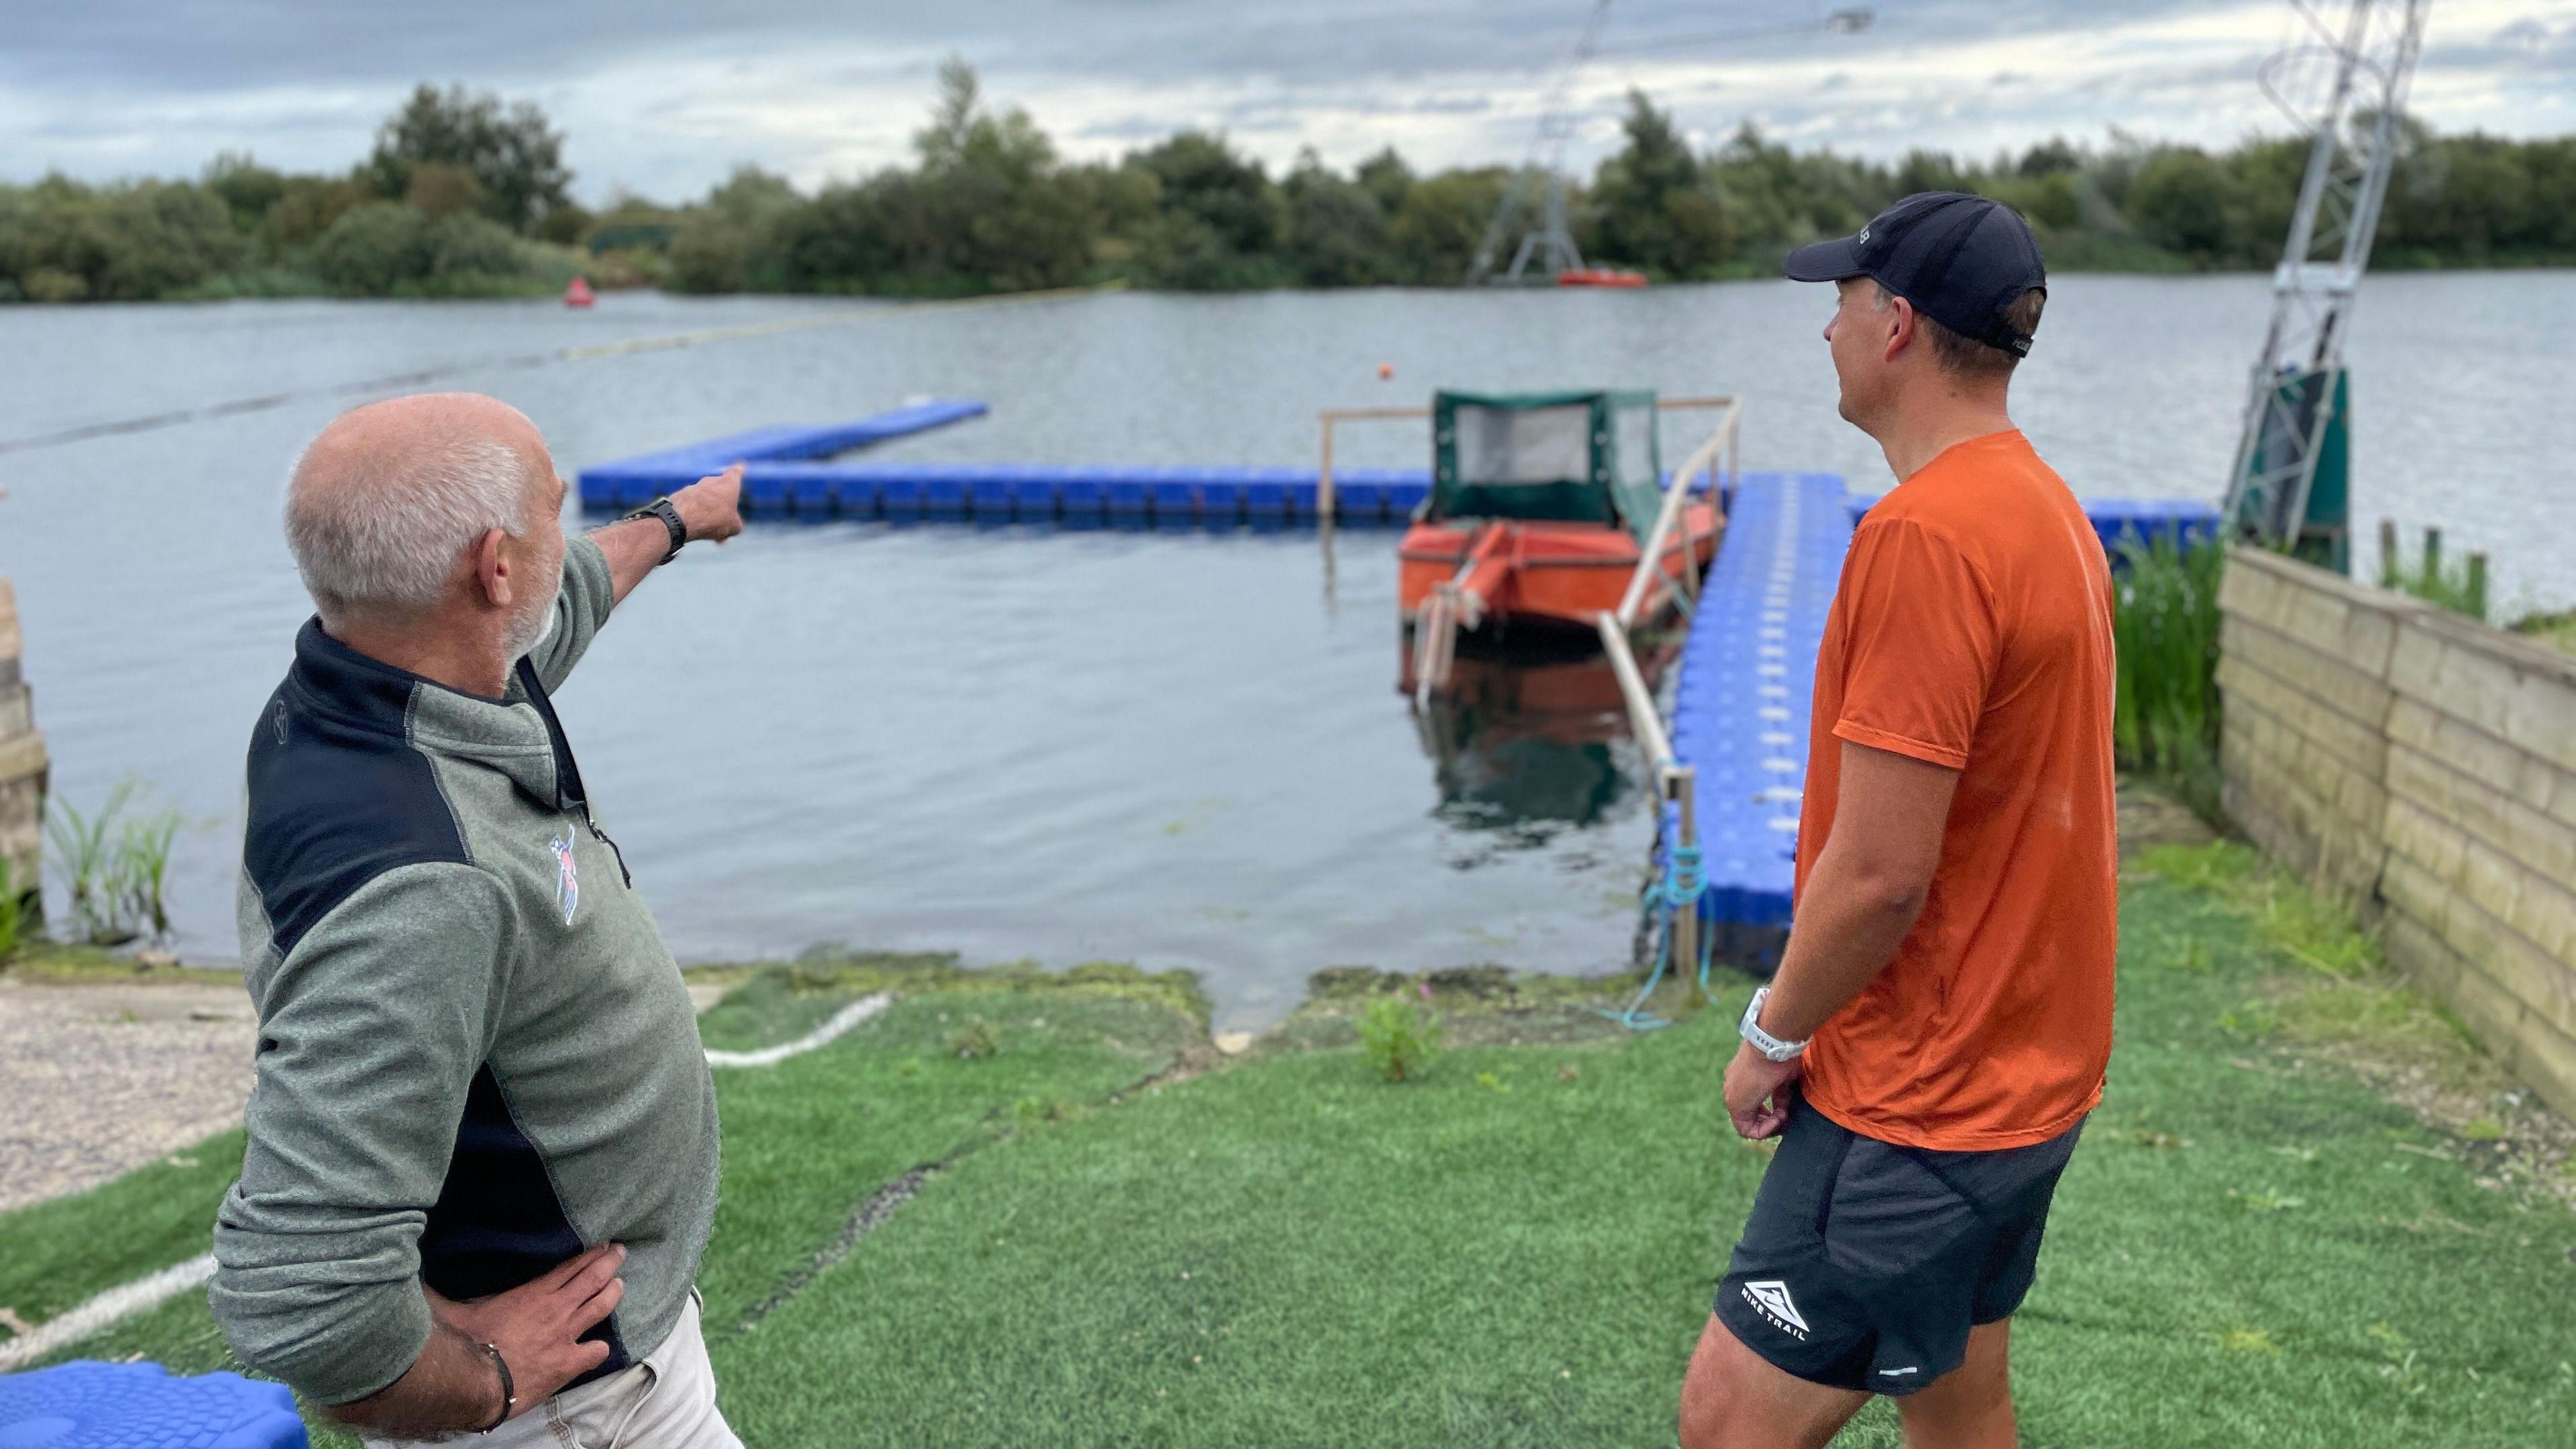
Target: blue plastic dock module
2190,522
140,1404
645,477
787,474
1747,674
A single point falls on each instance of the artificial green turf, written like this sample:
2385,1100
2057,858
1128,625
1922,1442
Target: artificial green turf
808,1139
2248,1249
805,1142
55,1255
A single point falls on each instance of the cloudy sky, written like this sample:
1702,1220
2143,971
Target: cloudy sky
662,97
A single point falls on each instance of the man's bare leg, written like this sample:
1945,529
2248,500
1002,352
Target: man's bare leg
1970,1407
1733,1398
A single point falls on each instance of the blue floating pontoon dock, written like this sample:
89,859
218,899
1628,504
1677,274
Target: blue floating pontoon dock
794,471
1740,710
1741,701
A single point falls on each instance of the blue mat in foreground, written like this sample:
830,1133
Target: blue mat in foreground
89,1405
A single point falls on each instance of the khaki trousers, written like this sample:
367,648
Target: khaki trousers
665,1401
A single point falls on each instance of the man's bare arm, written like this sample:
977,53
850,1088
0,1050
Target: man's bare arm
453,1385
1867,888
710,509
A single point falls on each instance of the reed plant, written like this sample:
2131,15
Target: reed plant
2164,626
115,866
12,911
142,871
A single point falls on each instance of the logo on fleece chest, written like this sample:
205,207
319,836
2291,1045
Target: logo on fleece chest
567,877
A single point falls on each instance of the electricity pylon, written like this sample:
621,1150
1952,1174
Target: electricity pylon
1544,173
2291,480
1540,184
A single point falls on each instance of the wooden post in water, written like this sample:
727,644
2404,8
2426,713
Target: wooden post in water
1324,481
2478,584
2432,556
23,764
1684,785
2388,564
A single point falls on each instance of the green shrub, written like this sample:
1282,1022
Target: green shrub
53,284
374,248
466,244
12,908
2164,626
975,1041
1399,1037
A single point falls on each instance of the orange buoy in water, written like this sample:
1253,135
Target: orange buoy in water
1385,370
579,293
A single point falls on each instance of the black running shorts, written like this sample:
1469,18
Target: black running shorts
1865,1263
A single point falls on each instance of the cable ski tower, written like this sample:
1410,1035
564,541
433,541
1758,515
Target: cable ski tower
1550,243
2290,485
1540,184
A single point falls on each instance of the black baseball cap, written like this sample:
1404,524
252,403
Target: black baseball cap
1960,259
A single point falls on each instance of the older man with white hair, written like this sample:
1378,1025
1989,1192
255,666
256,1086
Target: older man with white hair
482,1153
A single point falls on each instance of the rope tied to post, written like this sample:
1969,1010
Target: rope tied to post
1684,880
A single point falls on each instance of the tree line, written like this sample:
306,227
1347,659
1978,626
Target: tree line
465,195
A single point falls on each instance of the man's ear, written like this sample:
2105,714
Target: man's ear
1900,326
492,568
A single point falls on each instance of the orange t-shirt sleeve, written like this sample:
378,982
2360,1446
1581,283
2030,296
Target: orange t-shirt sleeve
1920,644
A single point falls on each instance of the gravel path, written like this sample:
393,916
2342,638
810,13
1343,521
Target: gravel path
102,1079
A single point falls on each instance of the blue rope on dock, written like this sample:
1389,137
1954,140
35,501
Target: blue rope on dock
1685,877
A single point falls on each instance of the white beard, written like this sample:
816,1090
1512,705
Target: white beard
529,629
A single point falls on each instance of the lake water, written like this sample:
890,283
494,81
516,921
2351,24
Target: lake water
1179,750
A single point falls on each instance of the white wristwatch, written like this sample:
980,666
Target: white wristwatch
1771,1047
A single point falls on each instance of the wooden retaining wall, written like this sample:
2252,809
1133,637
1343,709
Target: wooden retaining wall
22,758
2421,767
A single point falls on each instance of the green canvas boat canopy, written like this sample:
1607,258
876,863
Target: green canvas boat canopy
1587,457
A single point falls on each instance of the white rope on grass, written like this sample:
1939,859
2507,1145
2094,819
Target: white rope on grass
151,1291
842,1020
121,1301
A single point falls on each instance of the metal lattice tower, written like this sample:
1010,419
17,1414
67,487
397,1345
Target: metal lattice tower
1550,242
2345,88
1540,184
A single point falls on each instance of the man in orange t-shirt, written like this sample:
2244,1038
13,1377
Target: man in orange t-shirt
1941,1019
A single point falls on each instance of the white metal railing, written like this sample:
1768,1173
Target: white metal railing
1704,460
1676,784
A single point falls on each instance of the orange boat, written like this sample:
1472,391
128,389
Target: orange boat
1540,509
1600,277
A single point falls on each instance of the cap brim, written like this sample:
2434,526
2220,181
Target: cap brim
1825,261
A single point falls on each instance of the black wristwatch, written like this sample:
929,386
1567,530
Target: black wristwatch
662,509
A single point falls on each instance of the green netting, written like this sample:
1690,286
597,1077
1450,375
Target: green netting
1583,456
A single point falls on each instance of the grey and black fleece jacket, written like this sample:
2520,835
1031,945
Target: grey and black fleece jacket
476,1057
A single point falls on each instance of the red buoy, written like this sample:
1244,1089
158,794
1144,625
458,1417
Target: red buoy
579,293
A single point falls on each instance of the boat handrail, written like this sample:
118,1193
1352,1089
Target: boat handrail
1332,418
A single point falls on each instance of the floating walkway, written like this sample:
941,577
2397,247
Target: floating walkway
1742,694
786,473
1747,671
